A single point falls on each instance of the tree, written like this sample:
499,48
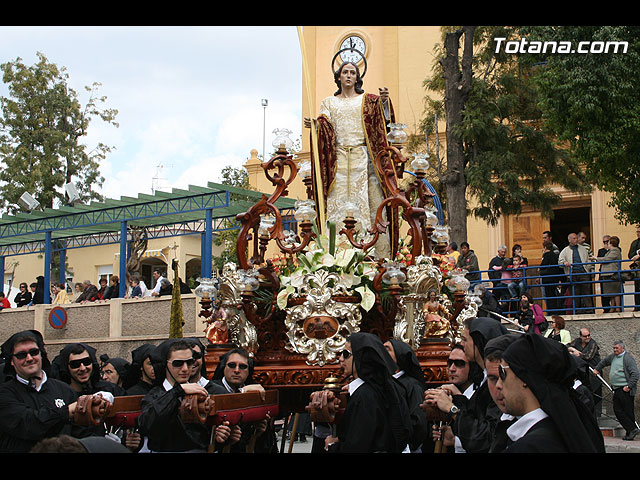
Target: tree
591,102
498,156
42,124
237,177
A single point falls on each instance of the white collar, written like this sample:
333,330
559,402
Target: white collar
202,381
469,391
398,374
167,385
27,382
229,387
354,385
524,423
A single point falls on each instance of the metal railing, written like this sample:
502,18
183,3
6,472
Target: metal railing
573,293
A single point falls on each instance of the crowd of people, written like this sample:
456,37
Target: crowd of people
41,399
566,277
86,291
506,391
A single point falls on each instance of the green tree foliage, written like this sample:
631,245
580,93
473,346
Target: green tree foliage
42,124
509,159
591,102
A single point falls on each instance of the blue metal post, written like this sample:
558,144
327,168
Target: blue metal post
207,257
47,267
2,277
123,259
63,261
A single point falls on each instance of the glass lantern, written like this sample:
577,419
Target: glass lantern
432,218
420,164
393,274
458,282
304,169
248,281
282,138
207,288
305,211
441,234
397,135
349,209
266,224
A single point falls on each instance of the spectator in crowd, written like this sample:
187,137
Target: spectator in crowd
585,347
495,272
136,290
634,255
530,315
489,301
623,377
517,250
601,253
78,287
550,277
60,294
546,237
557,330
574,258
582,240
452,251
518,284
609,273
38,291
469,262
158,277
113,290
23,298
103,288
4,302
89,293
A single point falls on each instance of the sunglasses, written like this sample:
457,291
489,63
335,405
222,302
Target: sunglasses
34,352
196,355
345,354
241,366
86,361
502,372
179,363
457,363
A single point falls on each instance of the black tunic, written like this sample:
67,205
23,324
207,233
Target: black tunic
543,437
27,416
365,427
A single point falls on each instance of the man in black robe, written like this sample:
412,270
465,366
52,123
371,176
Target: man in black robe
141,374
536,379
411,377
160,420
33,405
376,418
115,370
234,373
473,420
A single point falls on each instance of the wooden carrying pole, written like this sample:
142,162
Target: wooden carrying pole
314,139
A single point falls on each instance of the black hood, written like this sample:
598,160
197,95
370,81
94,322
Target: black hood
546,366
60,364
406,360
138,356
7,349
483,329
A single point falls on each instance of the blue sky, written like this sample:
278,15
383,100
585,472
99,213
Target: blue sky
189,97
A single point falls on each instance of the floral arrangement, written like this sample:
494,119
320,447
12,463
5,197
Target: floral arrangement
333,254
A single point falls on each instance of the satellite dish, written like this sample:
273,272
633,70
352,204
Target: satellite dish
27,202
72,192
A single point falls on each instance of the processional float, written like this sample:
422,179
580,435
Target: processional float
294,310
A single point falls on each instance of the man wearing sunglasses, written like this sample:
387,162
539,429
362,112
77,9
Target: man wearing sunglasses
232,374
160,420
536,379
33,405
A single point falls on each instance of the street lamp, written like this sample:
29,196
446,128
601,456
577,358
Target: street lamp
265,102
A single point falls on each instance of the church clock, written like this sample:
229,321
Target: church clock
354,48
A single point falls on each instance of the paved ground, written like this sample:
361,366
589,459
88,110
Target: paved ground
612,445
